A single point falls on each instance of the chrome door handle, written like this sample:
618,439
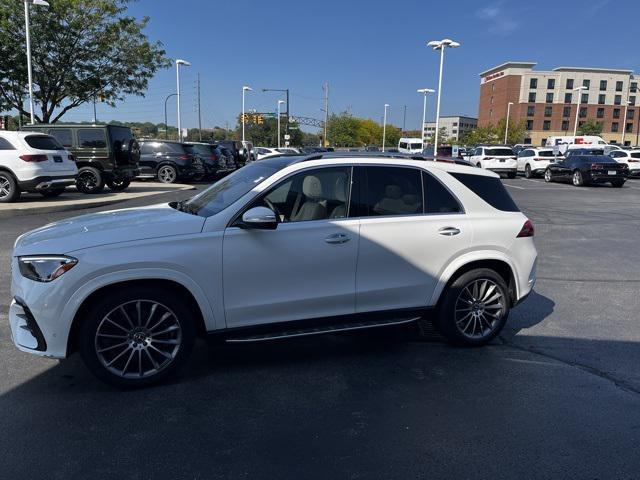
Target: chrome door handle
337,238
449,231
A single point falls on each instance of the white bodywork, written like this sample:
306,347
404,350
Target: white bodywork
503,163
538,159
630,157
580,141
241,277
410,145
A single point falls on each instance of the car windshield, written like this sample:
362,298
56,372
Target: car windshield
43,142
500,152
227,190
545,153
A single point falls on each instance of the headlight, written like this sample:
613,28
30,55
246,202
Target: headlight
45,268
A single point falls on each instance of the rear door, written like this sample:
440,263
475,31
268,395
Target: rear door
410,228
57,157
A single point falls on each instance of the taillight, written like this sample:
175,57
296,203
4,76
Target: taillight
537,159
488,158
34,158
634,161
213,158
526,230
72,158
184,157
596,166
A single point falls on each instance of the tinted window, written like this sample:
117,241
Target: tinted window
500,152
389,191
43,142
121,134
199,149
436,196
63,136
634,154
5,144
416,146
92,138
545,153
490,189
146,148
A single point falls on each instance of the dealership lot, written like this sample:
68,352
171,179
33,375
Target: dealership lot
560,385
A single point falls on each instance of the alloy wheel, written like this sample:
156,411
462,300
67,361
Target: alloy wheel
138,339
577,178
479,308
167,175
547,175
87,180
5,187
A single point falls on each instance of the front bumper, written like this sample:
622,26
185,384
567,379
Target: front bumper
47,182
25,331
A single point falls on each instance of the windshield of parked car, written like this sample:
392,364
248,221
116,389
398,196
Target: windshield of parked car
43,142
227,190
500,152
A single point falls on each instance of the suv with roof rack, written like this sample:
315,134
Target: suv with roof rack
285,247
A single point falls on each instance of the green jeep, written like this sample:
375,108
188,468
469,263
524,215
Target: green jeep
105,154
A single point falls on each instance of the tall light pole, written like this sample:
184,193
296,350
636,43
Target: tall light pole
506,125
384,125
440,45
244,90
166,127
624,123
578,90
424,91
28,38
186,64
280,102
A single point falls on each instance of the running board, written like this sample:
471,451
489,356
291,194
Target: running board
342,327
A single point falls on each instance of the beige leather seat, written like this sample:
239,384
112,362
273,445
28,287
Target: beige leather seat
340,194
312,208
395,202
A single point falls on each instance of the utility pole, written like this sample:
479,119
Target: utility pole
326,111
404,119
95,116
199,113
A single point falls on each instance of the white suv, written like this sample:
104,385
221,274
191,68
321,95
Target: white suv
630,157
33,162
499,159
534,161
284,247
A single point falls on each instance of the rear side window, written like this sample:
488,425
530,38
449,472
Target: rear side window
5,144
490,189
634,154
546,153
121,134
43,142
500,152
63,136
437,198
92,138
389,191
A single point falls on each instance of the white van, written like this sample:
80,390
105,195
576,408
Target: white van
410,145
583,140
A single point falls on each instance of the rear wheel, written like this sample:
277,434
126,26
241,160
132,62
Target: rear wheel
527,171
119,184
511,174
137,337
479,165
89,180
617,183
9,191
167,174
547,176
54,192
578,178
474,309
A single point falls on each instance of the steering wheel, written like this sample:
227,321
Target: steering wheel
271,206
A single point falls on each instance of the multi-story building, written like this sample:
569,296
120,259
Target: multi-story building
454,125
548,101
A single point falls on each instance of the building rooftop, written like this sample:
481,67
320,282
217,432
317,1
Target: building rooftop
502,66
591,69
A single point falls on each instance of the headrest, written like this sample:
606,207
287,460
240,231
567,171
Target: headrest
341,189
410,199
393,191
312,187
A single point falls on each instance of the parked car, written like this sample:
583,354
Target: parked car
518,147
236,149
410,145
298,252
105,154
288,150
213,160
497,158
444,151
247,152
587,169
169,161
631,158
265,152
534,161
33,162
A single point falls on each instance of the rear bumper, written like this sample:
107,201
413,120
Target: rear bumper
47,182
603,177
502,170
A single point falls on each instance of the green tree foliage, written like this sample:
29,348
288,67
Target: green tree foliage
590,127
494,134
81,49
345,130
443,139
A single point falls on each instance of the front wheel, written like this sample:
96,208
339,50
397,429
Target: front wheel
137,337
119,184
547,176
578,178
474,309
167,174
527,171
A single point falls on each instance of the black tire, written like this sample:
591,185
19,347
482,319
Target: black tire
479,325
167,174
9,191
479,165
578,179
512,174
89,180
119,184
617,183
527,171
136,340
548,178
53,193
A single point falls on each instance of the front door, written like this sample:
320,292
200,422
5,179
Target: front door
303,269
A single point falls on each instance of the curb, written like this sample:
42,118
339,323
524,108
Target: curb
69,206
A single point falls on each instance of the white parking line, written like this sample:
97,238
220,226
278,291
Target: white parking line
513,186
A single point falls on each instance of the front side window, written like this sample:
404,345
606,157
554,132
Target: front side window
386,191
91,138
63,136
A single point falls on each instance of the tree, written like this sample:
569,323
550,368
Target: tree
81,50
345,130
590,127
443,139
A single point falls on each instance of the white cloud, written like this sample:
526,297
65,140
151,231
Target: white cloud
499,20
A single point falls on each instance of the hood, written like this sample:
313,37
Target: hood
105,228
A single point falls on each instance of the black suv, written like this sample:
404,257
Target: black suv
169,161
213,158
237,149
105,154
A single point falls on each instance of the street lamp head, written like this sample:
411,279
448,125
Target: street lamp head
247,89
280,102
446,42
37,2
182,62
510,103
426,90
386,105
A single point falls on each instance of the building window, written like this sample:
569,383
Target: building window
630,114
529,125
600,113
531,110
634,87
546,125
584,98
601,98
614,127
490,113
551,83
566,112
632,100
583,112
567,97
565,125
569,84
549,98
619,86
491,100
532,97
586,83
617,100
603,85
493,87
628,127
548,111
533,83
616,113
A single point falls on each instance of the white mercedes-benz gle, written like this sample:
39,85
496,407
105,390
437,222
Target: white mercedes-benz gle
284,247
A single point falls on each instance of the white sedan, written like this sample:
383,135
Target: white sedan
630,157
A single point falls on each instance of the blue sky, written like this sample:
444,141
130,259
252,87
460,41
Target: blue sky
371,53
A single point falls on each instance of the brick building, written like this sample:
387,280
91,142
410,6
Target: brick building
547,101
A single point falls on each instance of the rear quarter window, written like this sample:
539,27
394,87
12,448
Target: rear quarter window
43,142
490,189
92,138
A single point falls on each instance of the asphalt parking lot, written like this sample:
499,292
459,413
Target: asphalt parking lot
556,396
